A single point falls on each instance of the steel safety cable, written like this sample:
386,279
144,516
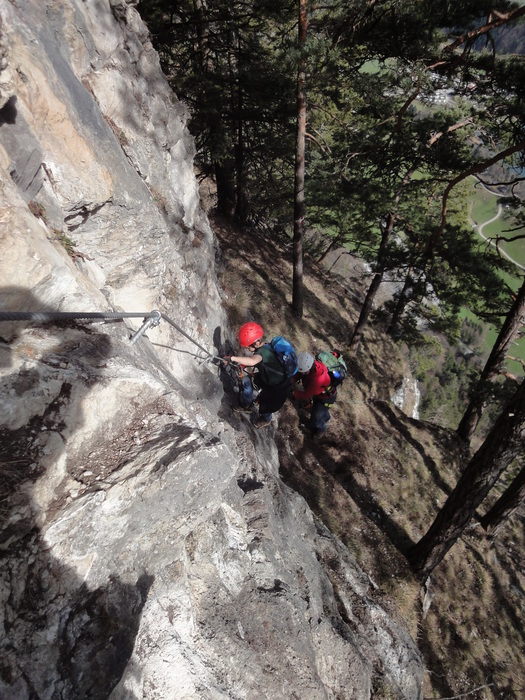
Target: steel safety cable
150,319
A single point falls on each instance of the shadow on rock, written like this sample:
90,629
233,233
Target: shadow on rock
61,639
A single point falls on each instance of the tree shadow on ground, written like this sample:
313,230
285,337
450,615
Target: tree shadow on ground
342,469
313,470
368,451
401,424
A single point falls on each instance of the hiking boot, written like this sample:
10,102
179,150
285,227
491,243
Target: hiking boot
261,423
243,409
313,436
304,427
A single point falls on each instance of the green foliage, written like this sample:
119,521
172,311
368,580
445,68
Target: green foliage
381,147
423,359
447,374
465,274
385,148
231,64
67,243
471,333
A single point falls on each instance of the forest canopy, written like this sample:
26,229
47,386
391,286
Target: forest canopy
406,103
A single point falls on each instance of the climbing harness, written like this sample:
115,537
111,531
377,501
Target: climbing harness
149,320
236,371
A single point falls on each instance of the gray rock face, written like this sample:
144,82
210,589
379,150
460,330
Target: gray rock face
149,548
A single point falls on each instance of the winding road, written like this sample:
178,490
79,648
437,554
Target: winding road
480,227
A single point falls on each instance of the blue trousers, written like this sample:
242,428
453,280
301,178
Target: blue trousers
319,417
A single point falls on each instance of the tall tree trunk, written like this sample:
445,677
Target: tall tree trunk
513,322
505,506
224,167
203,48
299,211
402,302
374,285
241,207
381,256
333,243
225,181
366,308
501,446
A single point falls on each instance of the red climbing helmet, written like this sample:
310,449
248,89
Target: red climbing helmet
249,333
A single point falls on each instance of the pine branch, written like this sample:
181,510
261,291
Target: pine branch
473,170
454,127
325,148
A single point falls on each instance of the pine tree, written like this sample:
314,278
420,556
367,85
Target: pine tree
503,444
514,321
299,211
390,148
508,503
229,62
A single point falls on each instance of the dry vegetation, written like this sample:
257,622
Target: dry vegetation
378,477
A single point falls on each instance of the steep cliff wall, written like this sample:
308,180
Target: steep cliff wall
149,548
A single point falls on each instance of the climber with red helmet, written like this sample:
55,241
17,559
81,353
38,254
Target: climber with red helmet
268,376
249,334
316,381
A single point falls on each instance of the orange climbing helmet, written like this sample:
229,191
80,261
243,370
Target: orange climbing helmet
249,333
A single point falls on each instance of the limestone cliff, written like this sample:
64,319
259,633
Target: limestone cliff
149,548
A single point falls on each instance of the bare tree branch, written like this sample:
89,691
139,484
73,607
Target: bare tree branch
509,240
454,127
405,107
514,181
496,19
479,167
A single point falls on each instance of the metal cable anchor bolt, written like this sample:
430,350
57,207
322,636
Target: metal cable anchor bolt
149,322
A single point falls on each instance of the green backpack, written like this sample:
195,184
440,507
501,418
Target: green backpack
336,367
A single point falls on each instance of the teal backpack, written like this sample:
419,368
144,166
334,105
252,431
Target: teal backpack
336,367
